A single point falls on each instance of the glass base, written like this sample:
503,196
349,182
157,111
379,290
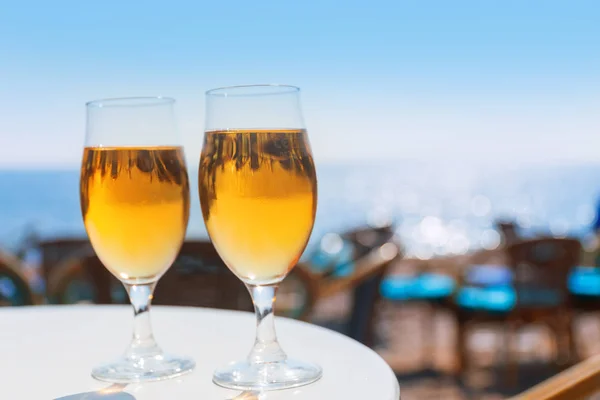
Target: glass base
144,369
244,375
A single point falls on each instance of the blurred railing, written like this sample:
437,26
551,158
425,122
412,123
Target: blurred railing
576,383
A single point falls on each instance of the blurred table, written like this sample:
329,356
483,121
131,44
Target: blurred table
47,352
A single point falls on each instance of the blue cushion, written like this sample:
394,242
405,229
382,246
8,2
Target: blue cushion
494,299
584,281
504,298
398,287
489,275
425,286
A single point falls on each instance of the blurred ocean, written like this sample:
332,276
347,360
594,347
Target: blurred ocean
438,208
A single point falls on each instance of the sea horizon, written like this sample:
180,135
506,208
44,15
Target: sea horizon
439,208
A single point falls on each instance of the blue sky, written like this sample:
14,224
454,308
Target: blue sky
421,79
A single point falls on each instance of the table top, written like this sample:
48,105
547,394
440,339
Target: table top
47,352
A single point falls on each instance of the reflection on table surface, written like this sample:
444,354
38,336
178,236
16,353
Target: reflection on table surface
117,392
112,392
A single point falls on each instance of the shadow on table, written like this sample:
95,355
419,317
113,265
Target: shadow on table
113,392
249,395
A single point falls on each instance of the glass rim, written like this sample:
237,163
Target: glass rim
262,89
134,101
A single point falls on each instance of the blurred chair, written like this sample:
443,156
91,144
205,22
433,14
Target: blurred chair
14,289
370,269
490,268
81,278
336,253
508,231
198,277
355,261
54,251
584,281
576,383
364,282
537,293
421,285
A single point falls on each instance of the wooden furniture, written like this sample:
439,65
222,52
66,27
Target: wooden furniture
14,289
509,232
336,253
576,383
363,273
584,282
55,251
538,294
364,284
198,277
367,238
421,285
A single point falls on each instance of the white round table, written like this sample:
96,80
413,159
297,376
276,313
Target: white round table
47,352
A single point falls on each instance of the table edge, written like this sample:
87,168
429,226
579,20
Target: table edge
53,307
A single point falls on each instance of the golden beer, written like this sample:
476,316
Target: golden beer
258,191
135,205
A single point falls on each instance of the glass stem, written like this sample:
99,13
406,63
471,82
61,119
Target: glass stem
266,347
143,343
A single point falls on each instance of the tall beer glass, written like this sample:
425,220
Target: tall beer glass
135,203
258,192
